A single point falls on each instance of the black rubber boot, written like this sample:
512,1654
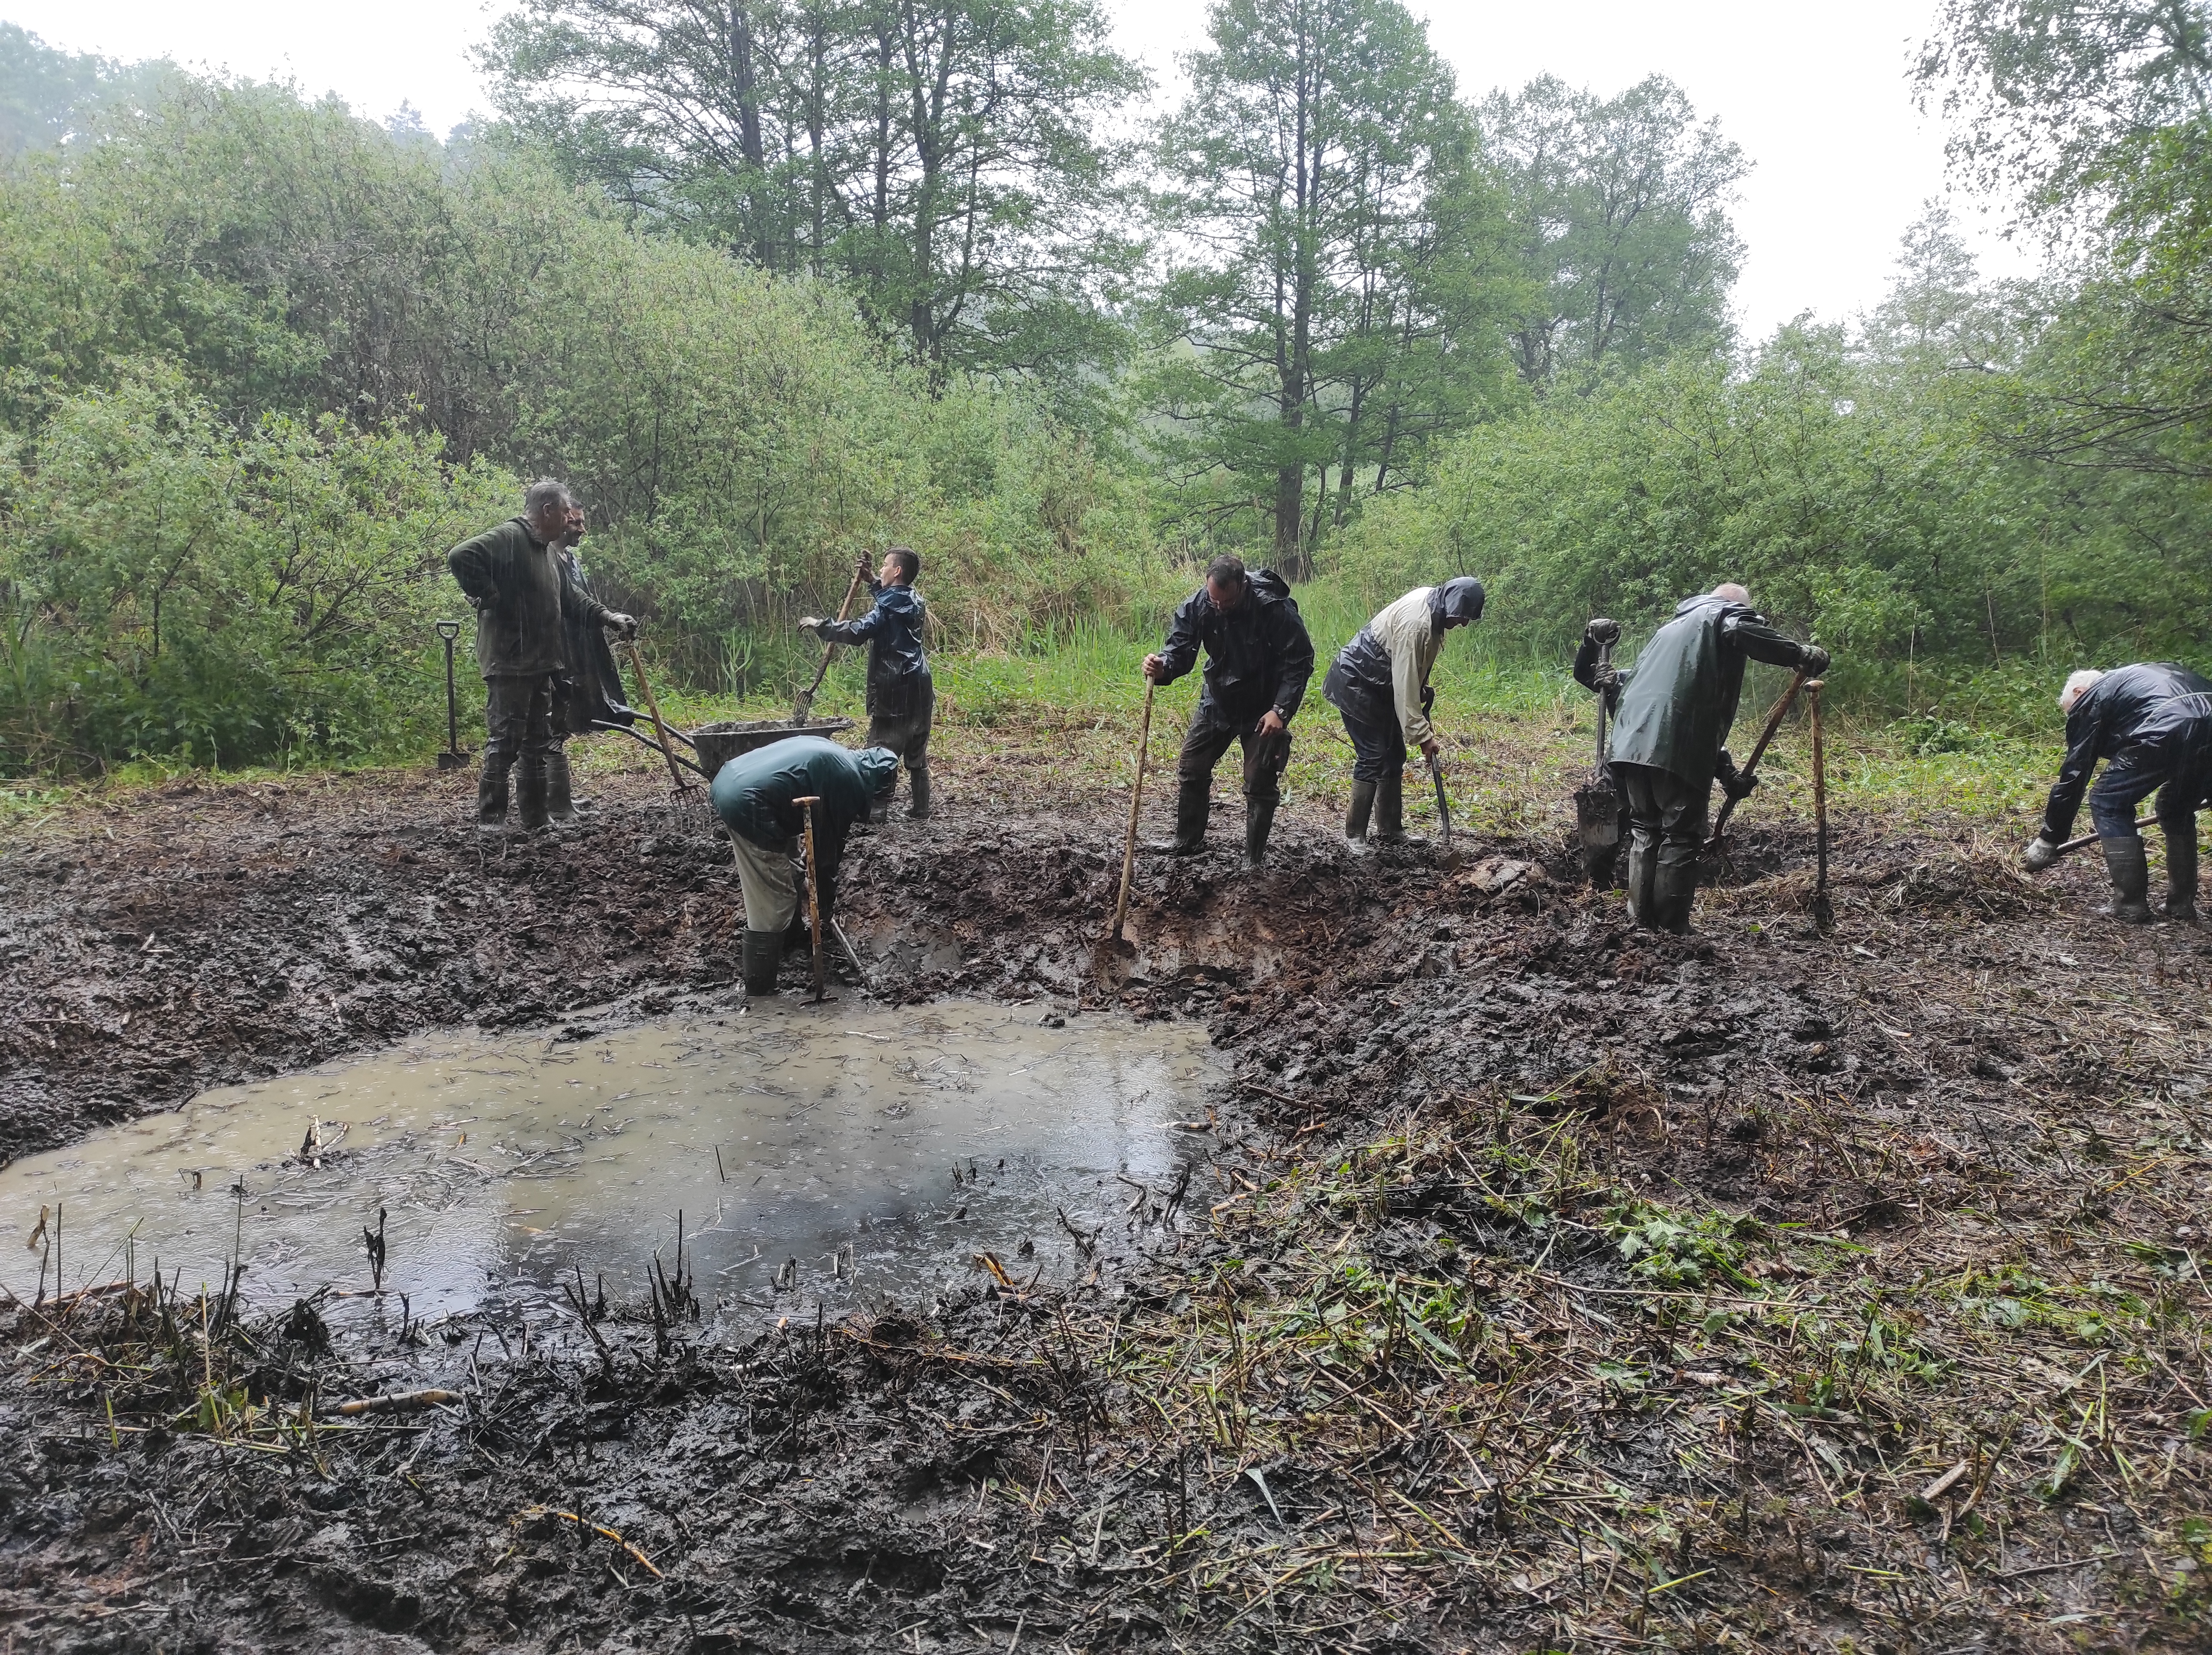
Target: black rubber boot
764,953
1191,804
491,802
1390,809
2181,875
2129,864
1673,889
530,799
1259,821
1643,872
919,809
1355,819
559,802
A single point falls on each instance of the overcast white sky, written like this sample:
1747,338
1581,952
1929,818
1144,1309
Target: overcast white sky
1816,94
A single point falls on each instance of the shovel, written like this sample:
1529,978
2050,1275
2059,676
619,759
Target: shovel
1824,912
651,705
1136,804
1597,801
802,707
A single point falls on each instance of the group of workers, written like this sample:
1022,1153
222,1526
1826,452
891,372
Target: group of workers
541,646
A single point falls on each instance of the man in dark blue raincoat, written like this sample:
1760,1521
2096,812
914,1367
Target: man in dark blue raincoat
2151,723
1258,659
902,695
1671,719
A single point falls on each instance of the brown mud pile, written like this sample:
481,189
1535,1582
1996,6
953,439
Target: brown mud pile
1483,1102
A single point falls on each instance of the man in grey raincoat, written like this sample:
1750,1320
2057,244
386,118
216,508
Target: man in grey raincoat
1671,719
1379,682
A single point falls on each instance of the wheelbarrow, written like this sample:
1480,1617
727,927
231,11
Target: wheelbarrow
712,746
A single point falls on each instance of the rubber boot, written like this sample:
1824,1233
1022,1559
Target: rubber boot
1390,809
1191,804
491,802
2181,874
1355,819
530,799
764,953
1642,873
2129,864
560,803
1673,889
1259,821
919,810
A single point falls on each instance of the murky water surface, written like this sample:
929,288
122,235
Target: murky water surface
881,1149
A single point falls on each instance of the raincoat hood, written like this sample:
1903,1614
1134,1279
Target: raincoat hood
878,768
1459,598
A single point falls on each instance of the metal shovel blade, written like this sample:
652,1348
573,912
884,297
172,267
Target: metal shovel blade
1597,820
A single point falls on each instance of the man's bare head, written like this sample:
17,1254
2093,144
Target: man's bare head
2078,684
1729,592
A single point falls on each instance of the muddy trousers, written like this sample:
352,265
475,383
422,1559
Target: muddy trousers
518,733
1666,826
1202,748
907,735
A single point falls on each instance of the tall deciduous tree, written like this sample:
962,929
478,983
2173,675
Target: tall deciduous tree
1620,209
1329,236
943,157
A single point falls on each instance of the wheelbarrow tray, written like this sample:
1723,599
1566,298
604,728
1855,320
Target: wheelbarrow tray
718,743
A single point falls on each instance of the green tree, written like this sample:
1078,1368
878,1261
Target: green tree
946,161
1327,301
1620,209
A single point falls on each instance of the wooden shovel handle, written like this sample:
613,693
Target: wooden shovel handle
827,649
1773,722
651,705
1136,804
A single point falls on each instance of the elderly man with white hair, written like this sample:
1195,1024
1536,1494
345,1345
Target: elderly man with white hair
2151,723
1671,718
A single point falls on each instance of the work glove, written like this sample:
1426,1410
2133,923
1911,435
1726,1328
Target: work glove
1603,632
2040,854
810,623
1734,782
1606,681
625,626
1428,697
1815,662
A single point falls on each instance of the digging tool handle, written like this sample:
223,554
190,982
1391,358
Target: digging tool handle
1773,722
651,705
1443,809
2087,839
449,630
805,704
852,954
1136,804
1823,913
814,898
1604,700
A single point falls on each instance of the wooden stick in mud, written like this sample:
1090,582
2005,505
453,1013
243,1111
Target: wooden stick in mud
660,728
1136,804
1774,718
814,899
1824,913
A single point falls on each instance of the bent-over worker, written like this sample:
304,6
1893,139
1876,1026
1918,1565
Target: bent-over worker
519,582
902,696
1672,716
753,794
1379,682
2152,724
588,695
1258,659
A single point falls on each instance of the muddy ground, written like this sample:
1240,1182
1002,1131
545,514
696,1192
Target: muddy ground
1564,1287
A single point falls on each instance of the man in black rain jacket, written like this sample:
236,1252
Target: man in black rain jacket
1671,718
517,580
902,696
1258,658
2152,724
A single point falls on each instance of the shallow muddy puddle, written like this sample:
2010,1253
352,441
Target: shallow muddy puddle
883,1150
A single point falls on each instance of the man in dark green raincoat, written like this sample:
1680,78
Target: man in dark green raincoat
753,794
1672,716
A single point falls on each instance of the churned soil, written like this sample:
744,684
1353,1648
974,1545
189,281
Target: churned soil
1473,1079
